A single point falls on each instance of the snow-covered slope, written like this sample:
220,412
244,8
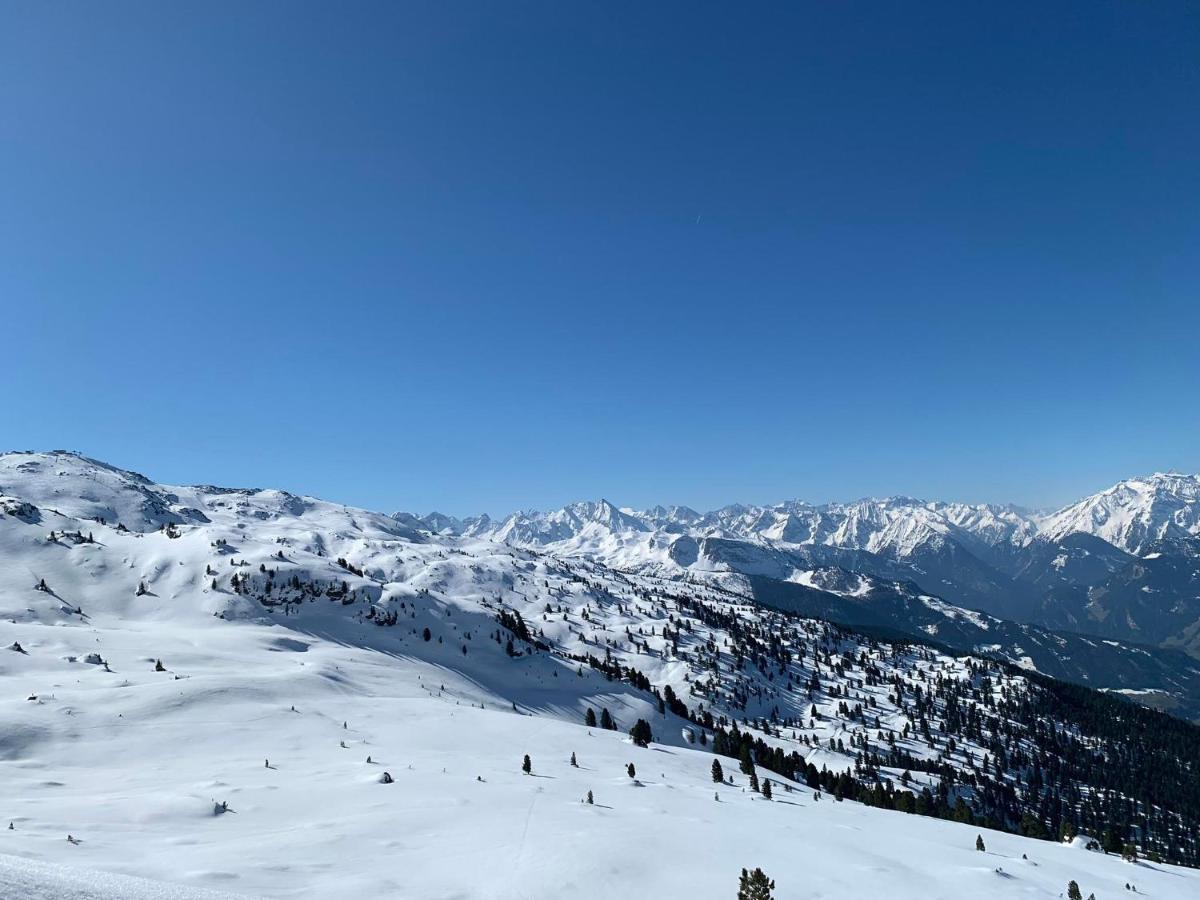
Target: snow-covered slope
31,879
131,763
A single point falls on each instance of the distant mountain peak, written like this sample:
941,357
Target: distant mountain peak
1135,512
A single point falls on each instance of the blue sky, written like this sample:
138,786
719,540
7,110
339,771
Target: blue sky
481,256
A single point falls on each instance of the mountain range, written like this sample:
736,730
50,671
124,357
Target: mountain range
1121,564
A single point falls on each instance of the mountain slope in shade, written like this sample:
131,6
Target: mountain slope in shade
1156,597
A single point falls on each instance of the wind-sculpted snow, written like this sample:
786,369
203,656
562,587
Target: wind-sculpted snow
29,879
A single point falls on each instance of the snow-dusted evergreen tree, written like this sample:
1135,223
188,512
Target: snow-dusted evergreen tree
755,886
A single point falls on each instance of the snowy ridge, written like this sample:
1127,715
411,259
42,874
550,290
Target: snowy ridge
1130,515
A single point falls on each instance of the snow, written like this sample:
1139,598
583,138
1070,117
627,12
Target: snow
33,880
979,620
131,763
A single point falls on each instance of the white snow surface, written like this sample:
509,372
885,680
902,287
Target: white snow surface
33,880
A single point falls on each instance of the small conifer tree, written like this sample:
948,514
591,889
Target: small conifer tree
755,886
641,733
746,763
527,765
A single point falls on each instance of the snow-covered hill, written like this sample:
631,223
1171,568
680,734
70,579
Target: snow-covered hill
131,763
165,650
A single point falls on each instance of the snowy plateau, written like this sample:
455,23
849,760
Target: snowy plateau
213,692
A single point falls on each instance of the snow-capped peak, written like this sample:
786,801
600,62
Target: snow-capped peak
1134,513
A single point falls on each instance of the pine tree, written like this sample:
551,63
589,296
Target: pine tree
606,721
631,770
1073,892
158,666
766,788
746,763
527,766
718,774
755,886
590,800
641,734
979,843
590,718
575,764
754,781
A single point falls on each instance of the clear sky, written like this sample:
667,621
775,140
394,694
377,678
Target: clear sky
481,256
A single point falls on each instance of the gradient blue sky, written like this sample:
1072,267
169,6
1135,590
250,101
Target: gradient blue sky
480,256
